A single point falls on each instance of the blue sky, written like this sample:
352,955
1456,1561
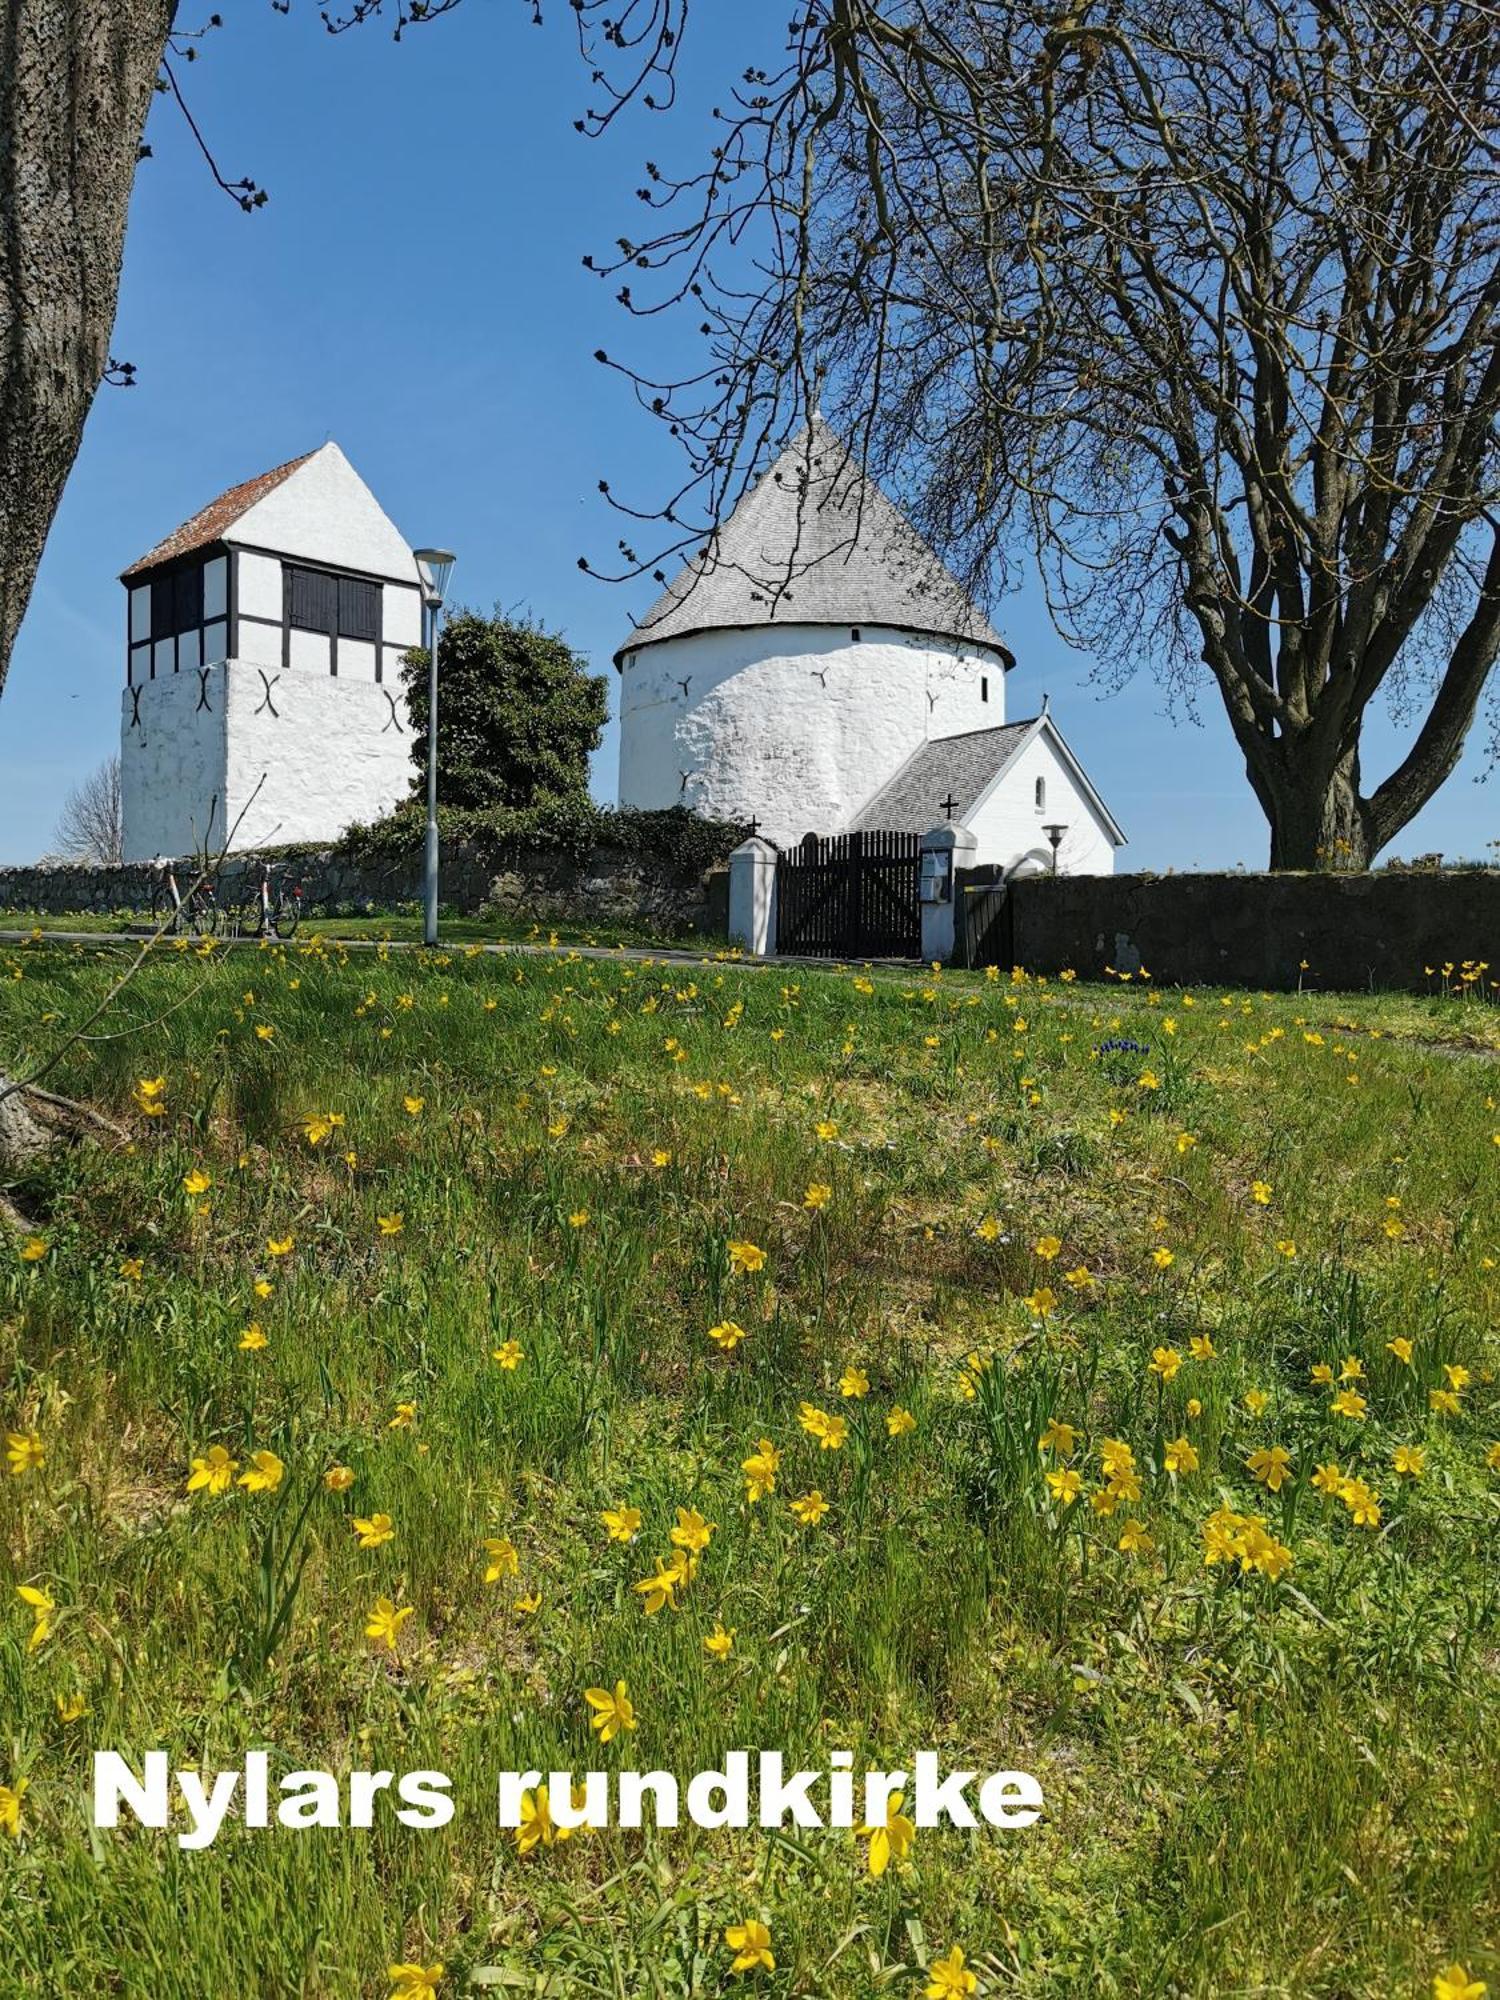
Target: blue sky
415,289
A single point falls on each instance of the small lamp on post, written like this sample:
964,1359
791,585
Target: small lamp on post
1055,835
435,567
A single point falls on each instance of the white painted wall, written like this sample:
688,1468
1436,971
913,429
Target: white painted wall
329,749
794,725
260,644
324,513
172,767
335,751
1007,824
260,585
401,616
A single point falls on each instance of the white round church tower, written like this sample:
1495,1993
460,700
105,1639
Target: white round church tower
797,664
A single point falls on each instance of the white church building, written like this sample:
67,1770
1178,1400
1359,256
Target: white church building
263,699
816,669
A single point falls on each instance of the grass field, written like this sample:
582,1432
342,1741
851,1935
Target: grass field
1141,1345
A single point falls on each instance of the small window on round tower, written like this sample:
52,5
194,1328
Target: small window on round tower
854,633
984,687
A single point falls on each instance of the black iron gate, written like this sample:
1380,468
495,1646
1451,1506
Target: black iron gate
850,895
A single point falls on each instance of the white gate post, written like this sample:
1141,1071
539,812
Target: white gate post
752,896
953,847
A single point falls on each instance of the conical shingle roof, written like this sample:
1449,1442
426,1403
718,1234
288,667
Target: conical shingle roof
815,542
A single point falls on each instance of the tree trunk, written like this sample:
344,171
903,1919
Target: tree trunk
1318,819
76,81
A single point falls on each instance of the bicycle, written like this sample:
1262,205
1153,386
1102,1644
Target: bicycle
196,912
268,908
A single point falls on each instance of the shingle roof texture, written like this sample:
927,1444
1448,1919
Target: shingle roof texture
815,542
956,767
212,522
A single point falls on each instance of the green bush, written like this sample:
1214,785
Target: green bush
567,826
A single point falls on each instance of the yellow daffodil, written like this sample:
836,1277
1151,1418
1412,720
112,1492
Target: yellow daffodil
949,1979
1058,1438
41,1604
264,1474
751,1944
538,1828
1454,1983
891,1839
373,1531
760,1471
1179,1456
612,1712
414,1982
1270,1466
213,1472
383,1625
24,1452
622,1523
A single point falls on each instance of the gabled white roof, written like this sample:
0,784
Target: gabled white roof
316,508
815,542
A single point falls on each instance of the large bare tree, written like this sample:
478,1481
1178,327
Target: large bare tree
90,826
1195,298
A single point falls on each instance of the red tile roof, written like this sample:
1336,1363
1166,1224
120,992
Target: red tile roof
210,522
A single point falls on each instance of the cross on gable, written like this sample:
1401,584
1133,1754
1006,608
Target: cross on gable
949,806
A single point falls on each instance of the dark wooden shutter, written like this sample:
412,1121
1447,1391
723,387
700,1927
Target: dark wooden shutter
188,598
359,608
163,607
315,600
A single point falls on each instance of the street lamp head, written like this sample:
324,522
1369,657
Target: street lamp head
1055,834
435,567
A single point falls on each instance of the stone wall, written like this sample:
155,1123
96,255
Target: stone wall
609,886
1347,932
